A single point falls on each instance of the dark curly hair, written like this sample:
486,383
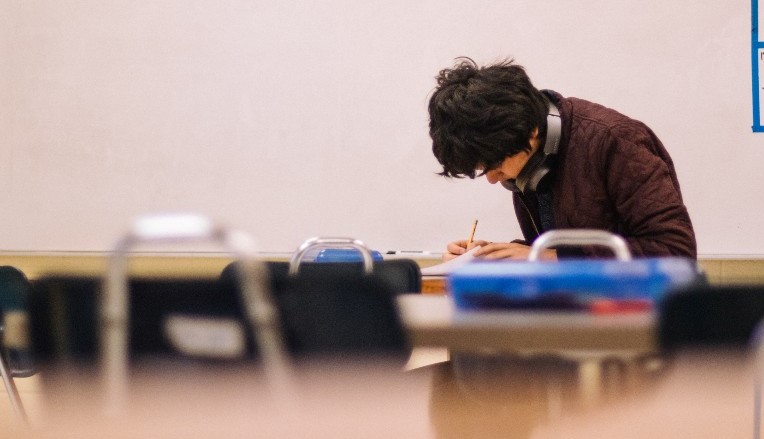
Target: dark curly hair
481,115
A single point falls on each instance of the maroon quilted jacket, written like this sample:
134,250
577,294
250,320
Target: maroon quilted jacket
612,173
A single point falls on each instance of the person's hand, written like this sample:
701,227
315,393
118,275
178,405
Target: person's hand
511,250
458,248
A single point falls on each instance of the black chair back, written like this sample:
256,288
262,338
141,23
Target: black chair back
203,322
401,276
14,290
705,316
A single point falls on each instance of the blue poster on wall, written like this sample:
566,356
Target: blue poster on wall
757,58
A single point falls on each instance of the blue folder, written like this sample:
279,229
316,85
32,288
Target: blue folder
344,255
567,284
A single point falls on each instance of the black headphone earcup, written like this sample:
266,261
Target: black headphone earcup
510,185
532,172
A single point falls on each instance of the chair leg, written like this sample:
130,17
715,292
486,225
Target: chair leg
10,387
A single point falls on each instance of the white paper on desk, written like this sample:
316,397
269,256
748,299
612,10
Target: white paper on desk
449,266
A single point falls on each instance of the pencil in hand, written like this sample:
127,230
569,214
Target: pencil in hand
472,234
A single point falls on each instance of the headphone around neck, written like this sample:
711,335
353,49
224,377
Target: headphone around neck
538,164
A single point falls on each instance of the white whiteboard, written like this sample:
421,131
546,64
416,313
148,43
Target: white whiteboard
290,119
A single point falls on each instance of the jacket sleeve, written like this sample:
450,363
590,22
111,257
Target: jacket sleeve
643,188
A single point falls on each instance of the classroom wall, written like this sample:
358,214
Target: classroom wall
290,119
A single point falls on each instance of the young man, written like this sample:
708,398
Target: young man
571,164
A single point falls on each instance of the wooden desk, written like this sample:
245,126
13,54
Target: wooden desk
434,285
705,396
331,400
433,321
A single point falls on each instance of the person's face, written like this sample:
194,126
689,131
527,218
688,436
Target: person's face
511,166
